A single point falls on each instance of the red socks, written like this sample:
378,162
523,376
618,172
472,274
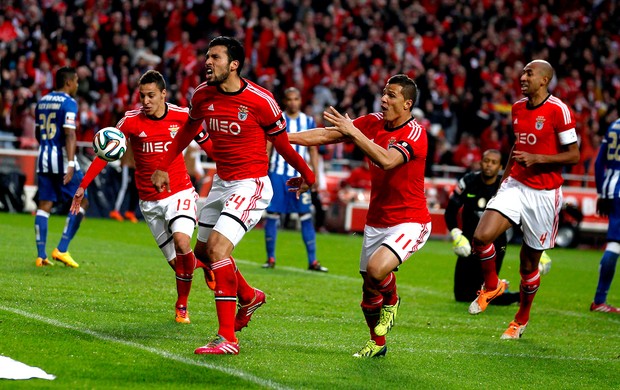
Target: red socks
184,271
487,255
528,289
200,264
245,292
371,307
387,288
226,296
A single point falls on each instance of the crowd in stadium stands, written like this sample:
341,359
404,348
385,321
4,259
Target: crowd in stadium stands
464,56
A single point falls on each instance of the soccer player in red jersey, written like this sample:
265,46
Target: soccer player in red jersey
240,116
398,223
171,216
530,194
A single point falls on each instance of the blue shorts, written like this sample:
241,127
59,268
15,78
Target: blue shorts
52,189
285,202
613,230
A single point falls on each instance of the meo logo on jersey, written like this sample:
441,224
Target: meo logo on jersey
224,126
173,129
155,147
525,138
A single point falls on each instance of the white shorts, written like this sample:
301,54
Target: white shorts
234,207
174,214
537,211
403,240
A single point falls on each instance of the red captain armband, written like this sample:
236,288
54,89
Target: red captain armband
280,142
95,168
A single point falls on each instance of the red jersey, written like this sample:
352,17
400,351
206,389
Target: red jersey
238,124
149,138
540,130
397,195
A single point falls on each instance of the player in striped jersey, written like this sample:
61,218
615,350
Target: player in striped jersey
58,171
284,201
530,194
398,222
171,216
240,116
607,172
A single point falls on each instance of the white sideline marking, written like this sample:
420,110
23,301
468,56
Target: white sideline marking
165,354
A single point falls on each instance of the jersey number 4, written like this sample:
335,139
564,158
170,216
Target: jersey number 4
236,199
543,238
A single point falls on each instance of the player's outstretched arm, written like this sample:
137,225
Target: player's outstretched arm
281,144
204,141
383,158
314,137
95,168
184,136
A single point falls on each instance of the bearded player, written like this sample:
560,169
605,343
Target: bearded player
240,116
171,216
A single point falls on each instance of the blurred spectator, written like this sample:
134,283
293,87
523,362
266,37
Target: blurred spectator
467,152
464,56
356,187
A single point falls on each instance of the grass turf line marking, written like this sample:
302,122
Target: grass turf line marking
165,354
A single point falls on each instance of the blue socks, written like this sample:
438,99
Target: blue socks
309,236
40,232
606,275
271,231
71,226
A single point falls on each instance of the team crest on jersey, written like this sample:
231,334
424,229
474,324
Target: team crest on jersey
173,129
392,141
243,113
540,121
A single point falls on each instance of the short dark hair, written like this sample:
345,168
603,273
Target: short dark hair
235,49
494,151
291,90
153,76
64,74
410,89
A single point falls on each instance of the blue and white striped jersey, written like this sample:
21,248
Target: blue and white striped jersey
54,112
607,166
278,165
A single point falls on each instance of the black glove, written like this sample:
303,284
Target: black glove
604,206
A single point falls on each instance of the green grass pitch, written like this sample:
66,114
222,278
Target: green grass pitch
110,323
